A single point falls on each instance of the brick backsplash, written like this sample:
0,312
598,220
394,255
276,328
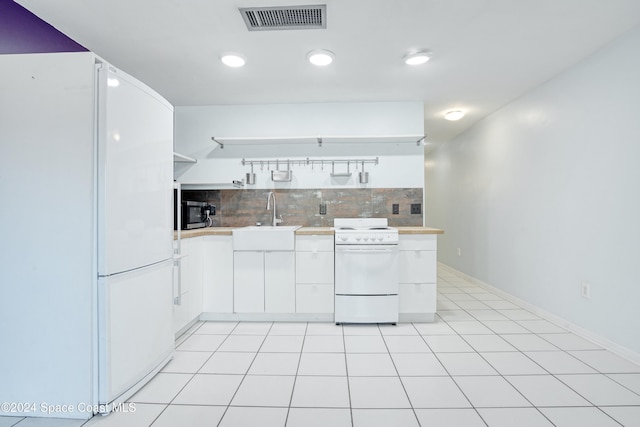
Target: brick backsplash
237,208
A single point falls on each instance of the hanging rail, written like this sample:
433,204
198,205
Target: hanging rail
306,162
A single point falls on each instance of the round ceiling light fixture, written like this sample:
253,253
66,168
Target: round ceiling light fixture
453,115
320,57
234,60
417,57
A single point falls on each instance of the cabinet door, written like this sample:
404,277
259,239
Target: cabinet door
417,298
196,253
181,289
279,282
186,269
248,289
314,267
418,266
217,282
314,298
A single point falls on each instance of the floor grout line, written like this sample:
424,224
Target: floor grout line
454,295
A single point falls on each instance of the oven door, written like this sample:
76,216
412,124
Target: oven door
366,269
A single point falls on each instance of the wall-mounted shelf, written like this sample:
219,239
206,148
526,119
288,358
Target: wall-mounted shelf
181,158
331,139
213,185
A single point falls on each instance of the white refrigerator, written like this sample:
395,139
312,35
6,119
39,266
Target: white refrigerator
86,176
134,234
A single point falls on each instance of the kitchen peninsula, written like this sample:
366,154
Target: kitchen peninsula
207,277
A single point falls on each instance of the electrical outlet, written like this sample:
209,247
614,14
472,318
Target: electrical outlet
585,290
459,252
395,209
323,208
416,208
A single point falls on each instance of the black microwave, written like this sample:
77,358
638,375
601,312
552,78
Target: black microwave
194,215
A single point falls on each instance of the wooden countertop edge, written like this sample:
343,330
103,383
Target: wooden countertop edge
419,230
303,231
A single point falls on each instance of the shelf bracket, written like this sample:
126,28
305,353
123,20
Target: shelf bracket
420,140
213,138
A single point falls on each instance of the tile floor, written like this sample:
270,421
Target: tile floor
485,362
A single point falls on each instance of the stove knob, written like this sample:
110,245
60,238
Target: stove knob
380,238
358,238
365,238
344,238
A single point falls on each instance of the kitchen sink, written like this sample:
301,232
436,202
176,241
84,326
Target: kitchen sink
264,238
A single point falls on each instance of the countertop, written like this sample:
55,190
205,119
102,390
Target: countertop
419,230
302,231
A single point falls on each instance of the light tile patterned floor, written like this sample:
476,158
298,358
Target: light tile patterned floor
485,362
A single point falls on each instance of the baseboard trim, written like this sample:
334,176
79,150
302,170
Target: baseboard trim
605,343
416,317
268,317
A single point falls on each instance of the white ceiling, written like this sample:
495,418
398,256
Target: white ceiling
485,52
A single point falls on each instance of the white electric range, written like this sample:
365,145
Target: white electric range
366,271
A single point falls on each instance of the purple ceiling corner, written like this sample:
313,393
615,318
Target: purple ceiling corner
23,32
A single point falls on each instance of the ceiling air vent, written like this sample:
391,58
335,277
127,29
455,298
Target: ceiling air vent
285,17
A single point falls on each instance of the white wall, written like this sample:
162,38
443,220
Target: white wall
545,194
400,162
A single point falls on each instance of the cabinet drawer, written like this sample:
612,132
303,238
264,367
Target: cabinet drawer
418,266
417,297
418,242
314,243
314,267
314,298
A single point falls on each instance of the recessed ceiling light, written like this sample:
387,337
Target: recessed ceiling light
417,57
233,60
320,57
454,115
113,82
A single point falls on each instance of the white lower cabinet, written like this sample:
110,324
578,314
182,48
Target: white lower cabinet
226,284
248,282
264,282
279,282
314,298
314,274
217,283
418,276
188,274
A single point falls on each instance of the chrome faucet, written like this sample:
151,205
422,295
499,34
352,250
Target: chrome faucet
276,220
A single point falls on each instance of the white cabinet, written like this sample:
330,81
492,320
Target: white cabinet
314,274
418,262
188,283
248,282
279,282
217,283
264,282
